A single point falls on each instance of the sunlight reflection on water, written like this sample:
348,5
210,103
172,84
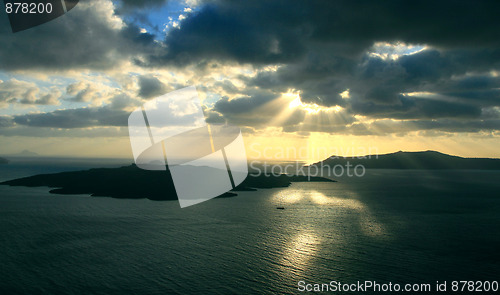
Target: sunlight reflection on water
368,223
297,255
318,225
396,225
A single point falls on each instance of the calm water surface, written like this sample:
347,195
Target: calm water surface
389,226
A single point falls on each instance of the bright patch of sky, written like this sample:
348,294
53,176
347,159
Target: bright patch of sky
210,99
160,20
387,50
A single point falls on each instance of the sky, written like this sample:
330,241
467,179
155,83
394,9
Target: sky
336,77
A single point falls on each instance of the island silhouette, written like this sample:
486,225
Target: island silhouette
429,160
134,183
3,161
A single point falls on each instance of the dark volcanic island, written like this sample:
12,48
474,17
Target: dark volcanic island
427,160
131,182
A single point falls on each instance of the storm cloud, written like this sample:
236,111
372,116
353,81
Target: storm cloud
402,66
278,32
87,37
323,48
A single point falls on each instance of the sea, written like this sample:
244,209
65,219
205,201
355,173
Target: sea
406,228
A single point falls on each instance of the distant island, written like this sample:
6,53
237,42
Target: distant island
26,153
413,160
23,154
134,183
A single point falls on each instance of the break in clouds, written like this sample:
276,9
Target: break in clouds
359,67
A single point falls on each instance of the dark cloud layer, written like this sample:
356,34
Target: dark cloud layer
75,118
249,103
320,48
276,31
150,86
86,37
143,3
6,121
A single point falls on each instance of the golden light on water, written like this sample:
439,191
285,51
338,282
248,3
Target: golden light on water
302,245
296,257
367,222
321,199
316,197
